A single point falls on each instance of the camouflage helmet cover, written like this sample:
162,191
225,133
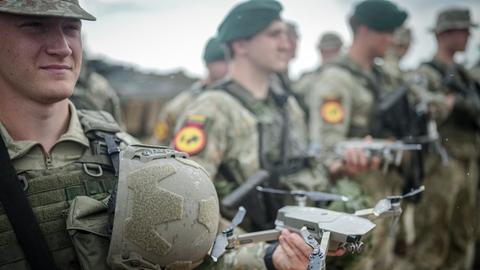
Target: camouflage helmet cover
56,8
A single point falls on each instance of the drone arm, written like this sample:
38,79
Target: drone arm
255,237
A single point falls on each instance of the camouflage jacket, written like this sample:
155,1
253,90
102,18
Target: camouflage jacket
341,100
219,130
168,116
94,92
458,128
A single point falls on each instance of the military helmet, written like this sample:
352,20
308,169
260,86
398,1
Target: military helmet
329,40
56,8
453,19
166,212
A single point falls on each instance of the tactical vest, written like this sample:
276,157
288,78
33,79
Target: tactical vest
50,192
280,155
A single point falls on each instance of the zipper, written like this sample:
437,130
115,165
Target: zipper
48,161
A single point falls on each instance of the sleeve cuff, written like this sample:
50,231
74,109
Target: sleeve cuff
268,258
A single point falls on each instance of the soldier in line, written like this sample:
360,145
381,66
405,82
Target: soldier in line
246,122
400,45
445,219
329,47
475,71
216,64
94,92
59,161
341,101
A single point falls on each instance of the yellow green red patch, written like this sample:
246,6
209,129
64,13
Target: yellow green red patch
332,112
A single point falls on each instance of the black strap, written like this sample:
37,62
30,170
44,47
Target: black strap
21,216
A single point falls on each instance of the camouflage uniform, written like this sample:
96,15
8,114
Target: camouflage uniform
446,230
475,72
233,139
52,181
445,218
328,41
94,92
341,100
173,109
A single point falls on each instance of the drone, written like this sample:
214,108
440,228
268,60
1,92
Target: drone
323,230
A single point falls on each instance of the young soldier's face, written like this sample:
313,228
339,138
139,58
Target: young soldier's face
380,42
40,57
270,48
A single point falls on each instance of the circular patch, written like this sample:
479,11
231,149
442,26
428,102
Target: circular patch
190,139
332,112
161,131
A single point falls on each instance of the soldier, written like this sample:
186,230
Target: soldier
400,45
341,101
59,165
94,92
214,59
329,47
246,122
445,218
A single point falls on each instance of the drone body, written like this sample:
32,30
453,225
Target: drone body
345,229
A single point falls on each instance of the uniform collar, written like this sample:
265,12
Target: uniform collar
75,134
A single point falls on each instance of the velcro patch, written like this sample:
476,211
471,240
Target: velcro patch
191,139
332,112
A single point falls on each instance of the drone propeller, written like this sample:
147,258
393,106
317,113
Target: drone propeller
221,241
386,205
313,195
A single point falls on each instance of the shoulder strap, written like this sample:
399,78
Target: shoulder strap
21,216
372,85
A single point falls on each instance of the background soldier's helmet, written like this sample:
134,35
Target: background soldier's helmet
329,41
56,8
166,212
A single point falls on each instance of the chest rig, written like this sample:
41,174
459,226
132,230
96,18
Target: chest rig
280,152
50,192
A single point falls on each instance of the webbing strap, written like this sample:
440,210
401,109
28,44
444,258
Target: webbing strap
21,216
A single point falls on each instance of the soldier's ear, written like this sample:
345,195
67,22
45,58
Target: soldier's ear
239,47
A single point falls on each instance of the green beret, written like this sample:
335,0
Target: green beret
55,8
379,15
213,51
248,19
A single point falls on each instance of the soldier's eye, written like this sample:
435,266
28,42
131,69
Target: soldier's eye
33,26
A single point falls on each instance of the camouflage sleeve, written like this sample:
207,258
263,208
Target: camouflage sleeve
329,103
202,131
432,81
245,258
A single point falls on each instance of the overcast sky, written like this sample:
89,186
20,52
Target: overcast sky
168,35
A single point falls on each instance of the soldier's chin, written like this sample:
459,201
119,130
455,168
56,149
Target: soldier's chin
56,95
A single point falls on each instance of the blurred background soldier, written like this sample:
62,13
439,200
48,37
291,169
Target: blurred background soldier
94,92
329,47
217,66
342,102
400,45
445,219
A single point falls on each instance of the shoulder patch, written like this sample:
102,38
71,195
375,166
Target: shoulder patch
192,138
332,112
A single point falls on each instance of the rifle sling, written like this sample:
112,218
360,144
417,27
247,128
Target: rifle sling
21,216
